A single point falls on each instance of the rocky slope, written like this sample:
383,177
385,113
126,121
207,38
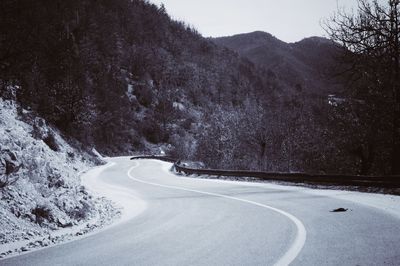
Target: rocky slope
40,190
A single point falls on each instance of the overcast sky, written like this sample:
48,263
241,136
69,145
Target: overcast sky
288,20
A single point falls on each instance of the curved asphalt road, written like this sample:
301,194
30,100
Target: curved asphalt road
202,222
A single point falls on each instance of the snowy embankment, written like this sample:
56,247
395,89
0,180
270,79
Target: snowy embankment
42,201
128,204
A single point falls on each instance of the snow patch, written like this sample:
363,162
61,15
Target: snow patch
129,205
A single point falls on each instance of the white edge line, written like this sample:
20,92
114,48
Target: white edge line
301,236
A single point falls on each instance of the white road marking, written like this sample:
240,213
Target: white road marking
298,243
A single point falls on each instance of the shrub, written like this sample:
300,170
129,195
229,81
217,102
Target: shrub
9,164
151,130
80,213
42,213
6,180
51,142
55,180
144,95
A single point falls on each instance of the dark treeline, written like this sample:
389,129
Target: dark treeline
370,63
121,76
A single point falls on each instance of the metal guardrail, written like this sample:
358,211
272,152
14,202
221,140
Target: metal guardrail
155,157
346,180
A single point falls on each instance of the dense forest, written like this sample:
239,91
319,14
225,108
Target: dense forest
122,76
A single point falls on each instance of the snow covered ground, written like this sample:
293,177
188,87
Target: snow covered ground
127,203
42,199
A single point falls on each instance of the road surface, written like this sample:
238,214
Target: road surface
190,221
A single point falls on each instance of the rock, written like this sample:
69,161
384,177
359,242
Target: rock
82,189
9,92
30,217
3,166
9,162
40,130
64,223
24,249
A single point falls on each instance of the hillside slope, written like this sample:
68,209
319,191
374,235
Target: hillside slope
123,77
40,190
308,63
333,125
117,70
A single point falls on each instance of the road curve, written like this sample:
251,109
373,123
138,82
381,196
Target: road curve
200,222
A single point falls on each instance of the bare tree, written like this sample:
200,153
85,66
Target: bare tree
370,38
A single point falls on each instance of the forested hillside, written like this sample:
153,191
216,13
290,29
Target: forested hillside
308,63
122,76
115,74
344,122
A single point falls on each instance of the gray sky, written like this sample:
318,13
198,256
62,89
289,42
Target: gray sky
288,20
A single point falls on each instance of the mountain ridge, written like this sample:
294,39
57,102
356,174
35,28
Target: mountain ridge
297,63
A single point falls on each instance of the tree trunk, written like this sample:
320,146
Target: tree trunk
396,89
367,158
262,155
396,139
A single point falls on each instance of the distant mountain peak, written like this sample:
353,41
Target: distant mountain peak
261,34
304,62
248,41
253,36
315,40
